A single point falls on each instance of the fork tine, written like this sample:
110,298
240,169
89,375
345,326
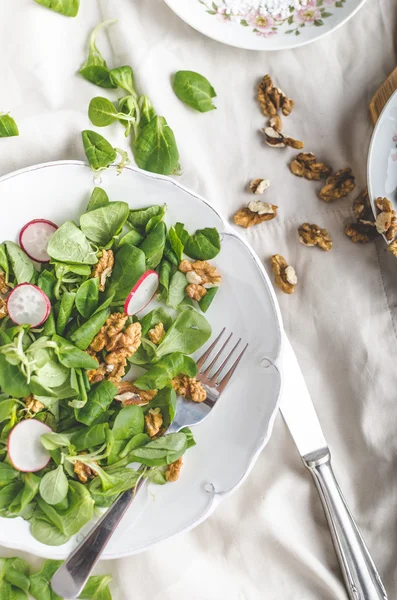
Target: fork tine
223,383
212,380
208,369
206,354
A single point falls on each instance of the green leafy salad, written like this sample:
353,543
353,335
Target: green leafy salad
70,421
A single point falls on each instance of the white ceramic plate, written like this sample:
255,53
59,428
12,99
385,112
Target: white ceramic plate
382,156
229,441
254,31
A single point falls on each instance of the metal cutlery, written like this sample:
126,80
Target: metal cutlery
71,577
359,571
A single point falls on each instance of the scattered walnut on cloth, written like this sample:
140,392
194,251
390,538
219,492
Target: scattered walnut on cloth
255,213
276,139
360,233
306,165
273,99
313,235
338,185
285,275
259,186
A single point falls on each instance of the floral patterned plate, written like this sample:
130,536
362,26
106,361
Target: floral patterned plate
254,30
382,156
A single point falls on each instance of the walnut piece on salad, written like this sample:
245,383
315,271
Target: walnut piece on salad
157,333
306,165
255,213
200,272
104,267
153,422
174,470
273,99
83,471
129,394
285,275
33,406
189,388
119,344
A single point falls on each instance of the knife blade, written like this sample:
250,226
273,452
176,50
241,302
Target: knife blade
360,574
297,406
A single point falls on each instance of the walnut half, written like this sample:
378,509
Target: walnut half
306,165
255,213
285,275
273,99
189,388
276,139
338,185
313,235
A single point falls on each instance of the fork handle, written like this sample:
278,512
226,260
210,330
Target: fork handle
360,574
72,576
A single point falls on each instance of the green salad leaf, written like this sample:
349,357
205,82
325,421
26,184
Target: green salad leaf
194,90
8,127
21,264
129,266
146,109
141,218
98,198
161,451
153,245
188,333
102,112
155,149
69,245
69,8
95,68
101,224
100,154
87,297
54,486
123,77
202,245
99,399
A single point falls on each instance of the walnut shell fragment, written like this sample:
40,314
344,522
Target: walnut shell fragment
276,139
338,185
285,275
306,165
273,99
386,221
313,235
263,211
360,233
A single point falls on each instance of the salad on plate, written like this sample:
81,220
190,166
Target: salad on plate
88,378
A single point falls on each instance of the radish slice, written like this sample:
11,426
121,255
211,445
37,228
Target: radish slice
34,237
28,305
24,447
142,293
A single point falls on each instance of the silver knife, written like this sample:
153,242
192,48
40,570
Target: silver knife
359,571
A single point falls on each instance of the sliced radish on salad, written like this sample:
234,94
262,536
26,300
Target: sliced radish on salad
28,305
24,447
142,293
34,237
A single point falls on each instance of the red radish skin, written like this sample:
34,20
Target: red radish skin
15,308
36,249
25,450
142,293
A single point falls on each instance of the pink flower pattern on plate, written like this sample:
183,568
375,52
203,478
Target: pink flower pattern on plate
312,14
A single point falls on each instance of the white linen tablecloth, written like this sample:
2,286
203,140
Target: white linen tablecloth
270,539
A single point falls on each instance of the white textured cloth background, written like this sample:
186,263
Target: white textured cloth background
269,540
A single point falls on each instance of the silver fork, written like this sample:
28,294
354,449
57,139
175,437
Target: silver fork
72,576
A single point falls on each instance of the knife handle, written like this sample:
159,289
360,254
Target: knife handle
360,574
